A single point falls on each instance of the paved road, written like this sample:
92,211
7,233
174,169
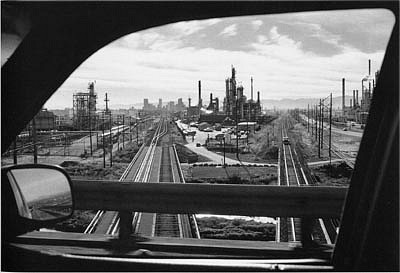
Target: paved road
201,137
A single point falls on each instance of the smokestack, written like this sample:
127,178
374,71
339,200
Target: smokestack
354,98
369,67
200,102
351,101
210,98
343,94
251,88
357,97
258,97
190,102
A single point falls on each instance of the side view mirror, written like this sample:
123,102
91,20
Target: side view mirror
42,194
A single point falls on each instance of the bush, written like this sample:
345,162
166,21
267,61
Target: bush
235,229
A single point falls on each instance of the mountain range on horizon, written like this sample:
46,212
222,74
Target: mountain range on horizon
285,103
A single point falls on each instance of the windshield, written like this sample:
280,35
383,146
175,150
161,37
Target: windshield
277,100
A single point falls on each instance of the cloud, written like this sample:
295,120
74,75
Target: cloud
191,27
229,31
157,63
256,24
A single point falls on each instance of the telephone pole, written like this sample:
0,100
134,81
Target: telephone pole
130,128
118,130
123,131
104,148
316,122
111,140
319,130
308,118
34,136
90,130
322,124
330,131
137,130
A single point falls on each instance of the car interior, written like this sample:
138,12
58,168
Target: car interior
58,37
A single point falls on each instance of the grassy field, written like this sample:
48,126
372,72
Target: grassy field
235,229
338,175
230,175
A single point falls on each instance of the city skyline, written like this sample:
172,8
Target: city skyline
288,55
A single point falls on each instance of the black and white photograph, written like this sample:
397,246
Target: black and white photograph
199,136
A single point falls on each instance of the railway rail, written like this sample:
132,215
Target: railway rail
325,230
107,222
155,163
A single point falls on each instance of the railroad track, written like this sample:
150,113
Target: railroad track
107,222
159,224
143,168
294,175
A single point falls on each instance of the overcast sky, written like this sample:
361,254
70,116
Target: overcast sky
288,55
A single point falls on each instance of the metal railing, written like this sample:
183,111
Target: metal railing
250,200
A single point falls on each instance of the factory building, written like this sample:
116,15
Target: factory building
236,103
214,104
358,109
44,120
84,109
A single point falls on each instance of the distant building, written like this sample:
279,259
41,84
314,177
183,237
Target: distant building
44,120
180,106
236,103
84,108
214,104
147,106
159,106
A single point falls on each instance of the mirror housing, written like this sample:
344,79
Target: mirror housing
34,196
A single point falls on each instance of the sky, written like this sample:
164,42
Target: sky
297,55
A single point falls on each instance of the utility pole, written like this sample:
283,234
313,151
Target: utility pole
90,131
34,136
308,118
312,123
316,123
330,131
118,130
130,128
319,130
322,124
224,153
237,135
137,130
65,142
104,147
248,127
111,140
123,131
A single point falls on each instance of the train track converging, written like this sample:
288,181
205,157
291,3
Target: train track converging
156,161
293,175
